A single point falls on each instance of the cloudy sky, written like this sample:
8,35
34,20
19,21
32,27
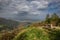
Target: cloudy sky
28,9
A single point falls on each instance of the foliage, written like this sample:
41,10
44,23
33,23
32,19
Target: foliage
54,34
53,19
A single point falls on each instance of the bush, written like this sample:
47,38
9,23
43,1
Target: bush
55,34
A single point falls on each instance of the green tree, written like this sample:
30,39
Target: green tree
54,19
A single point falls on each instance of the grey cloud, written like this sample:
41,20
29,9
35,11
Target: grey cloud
29,0
22,13
22,5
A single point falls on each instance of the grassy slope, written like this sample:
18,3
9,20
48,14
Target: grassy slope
32,33
36,33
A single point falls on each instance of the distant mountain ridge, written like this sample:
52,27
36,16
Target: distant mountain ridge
7,23
11,24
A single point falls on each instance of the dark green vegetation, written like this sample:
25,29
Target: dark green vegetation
54,34
53,19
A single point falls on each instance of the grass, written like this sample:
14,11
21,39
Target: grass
32,33
35,33
38,33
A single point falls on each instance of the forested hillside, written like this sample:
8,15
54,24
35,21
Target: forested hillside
7,23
